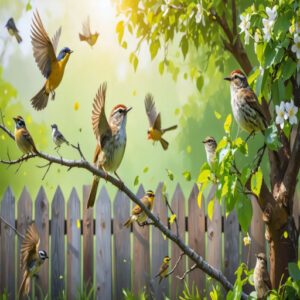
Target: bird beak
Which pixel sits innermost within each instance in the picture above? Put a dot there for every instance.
(71, 51)
(227, 78)
(15, 119)
(128, 109)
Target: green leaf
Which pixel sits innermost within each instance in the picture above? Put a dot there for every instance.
(256, 182)
(136, 180)
(146, 169)
(120, 30)
(170, 175)
(172, 218)
(184, 44)
(28, 6)
(210, 208)
(241, 145)
(244, 211)
(124, 45)
(187, 175)
(227, 123)
(217, 115)
(289, 69)
(161, 67)
(272, 138)
(294, 271)
(154, 46)
(200, 82)
(204, 176)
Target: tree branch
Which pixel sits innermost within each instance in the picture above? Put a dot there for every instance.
(83, 164)
(12, 227)
(193, 267)
(234, 24)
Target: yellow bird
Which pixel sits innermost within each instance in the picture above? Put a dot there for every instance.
(155, 132)
(22, 137)
(87, 36)
(163, 270)
(31, 258)
(138, 215)
(52, 67)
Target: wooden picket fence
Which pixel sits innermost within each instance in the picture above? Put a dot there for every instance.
(91, 248)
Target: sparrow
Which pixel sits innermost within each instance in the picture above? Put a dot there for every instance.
(87, 36)
(244, 103)
(51, 67)
(13, 30)
(261, 278)
(137, 213)
(58, 137)
(210, 146)
(163, 270)
(31, 258)
(155, 131)
(22, 137)
(111, 138)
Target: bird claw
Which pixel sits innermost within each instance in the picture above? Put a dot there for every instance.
(52, 95)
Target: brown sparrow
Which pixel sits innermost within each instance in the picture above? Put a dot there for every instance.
(245, 107)
(262, 282)
(210, 146)
(111, 138)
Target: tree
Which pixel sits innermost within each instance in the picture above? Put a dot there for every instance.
(273, 34)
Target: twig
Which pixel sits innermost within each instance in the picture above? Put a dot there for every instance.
(48, 165)
(172, 212)
(193, 267)
(12, 227)
(79, 150)
(175, 266)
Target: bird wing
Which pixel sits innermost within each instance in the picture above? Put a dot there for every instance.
(28, 137)
(43, 48)
(99, 120)
(61, 137)
(150, 109)
(86, 27)
(164, 267)
(157, 123)
(30, 246)
(137, 209)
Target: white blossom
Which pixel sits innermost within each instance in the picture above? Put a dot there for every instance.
(256, 37)
(291, 112)
(272, 13)
(296, 46)
(280, 113)
(267, 29)
(200, 14)
(165, 7)
(245, 26)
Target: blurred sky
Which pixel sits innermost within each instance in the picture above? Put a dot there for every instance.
(86, 69)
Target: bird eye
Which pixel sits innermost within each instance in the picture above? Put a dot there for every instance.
(120, 110)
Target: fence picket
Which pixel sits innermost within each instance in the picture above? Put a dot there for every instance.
(57, 257)
(73, 246)
(103, 247)
(122, 267)
(7, 268)
(159, 245)
(42, 224)
(178, 207)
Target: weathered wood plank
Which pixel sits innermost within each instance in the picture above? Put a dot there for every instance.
(178, 206)
(103, 247)
(214, 235)
(196, 233)
(24, 220)
(141, 250)
(159, 245)
(7, 268)
(42, 224)
(73, 246)
(122, 267)
(57, 257)
(231, 248)
(88, 239)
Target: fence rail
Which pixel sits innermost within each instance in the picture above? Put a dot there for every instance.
(92, 246)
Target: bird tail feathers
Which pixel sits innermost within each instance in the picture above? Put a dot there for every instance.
(82, 37)
(169, 128)
(18, 37)
(164, 143)
(40, 100)
(25, 286)
(93, 193)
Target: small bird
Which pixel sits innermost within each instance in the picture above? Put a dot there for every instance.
(163, 270)
(58, 137)
(31, 258)
(137, 213)
(22, 137)
(210, 146)
(52, 67)
(245, 107)
(261, 278)
(111, 138)
(155, 131)
(13, 30)
(87, 36)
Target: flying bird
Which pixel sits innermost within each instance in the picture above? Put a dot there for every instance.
(87, 36)
(58, 137)
(51, 67)
(13, 30)
(110, 136)
(137, 213)
(163, 270)
(31, 258)
(155, 132)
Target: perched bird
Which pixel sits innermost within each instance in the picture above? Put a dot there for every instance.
(163, 270)
(137, 213)
(52, 67)
(58, 137)
(111, 138)
(245, 107)
(13, 30)
(31, 258)
(87, 36)
(155, 131)
(210, 146)
(22, 137)
(261, 278)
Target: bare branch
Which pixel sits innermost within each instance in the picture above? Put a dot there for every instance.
(12, 227)
(193, 267)
(176, 264)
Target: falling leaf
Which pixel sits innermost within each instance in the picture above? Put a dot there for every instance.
(217, 115)
(177, 111)
(28, 6)
(80, 129)
(227, 123)
(136, 180)
(285, 234)
(76, 105)
(134, 93)
(170, 174)
(146, 169)
(189, 149)
(172, 218)
(187, 175)
(78, 223)
(247, 240)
